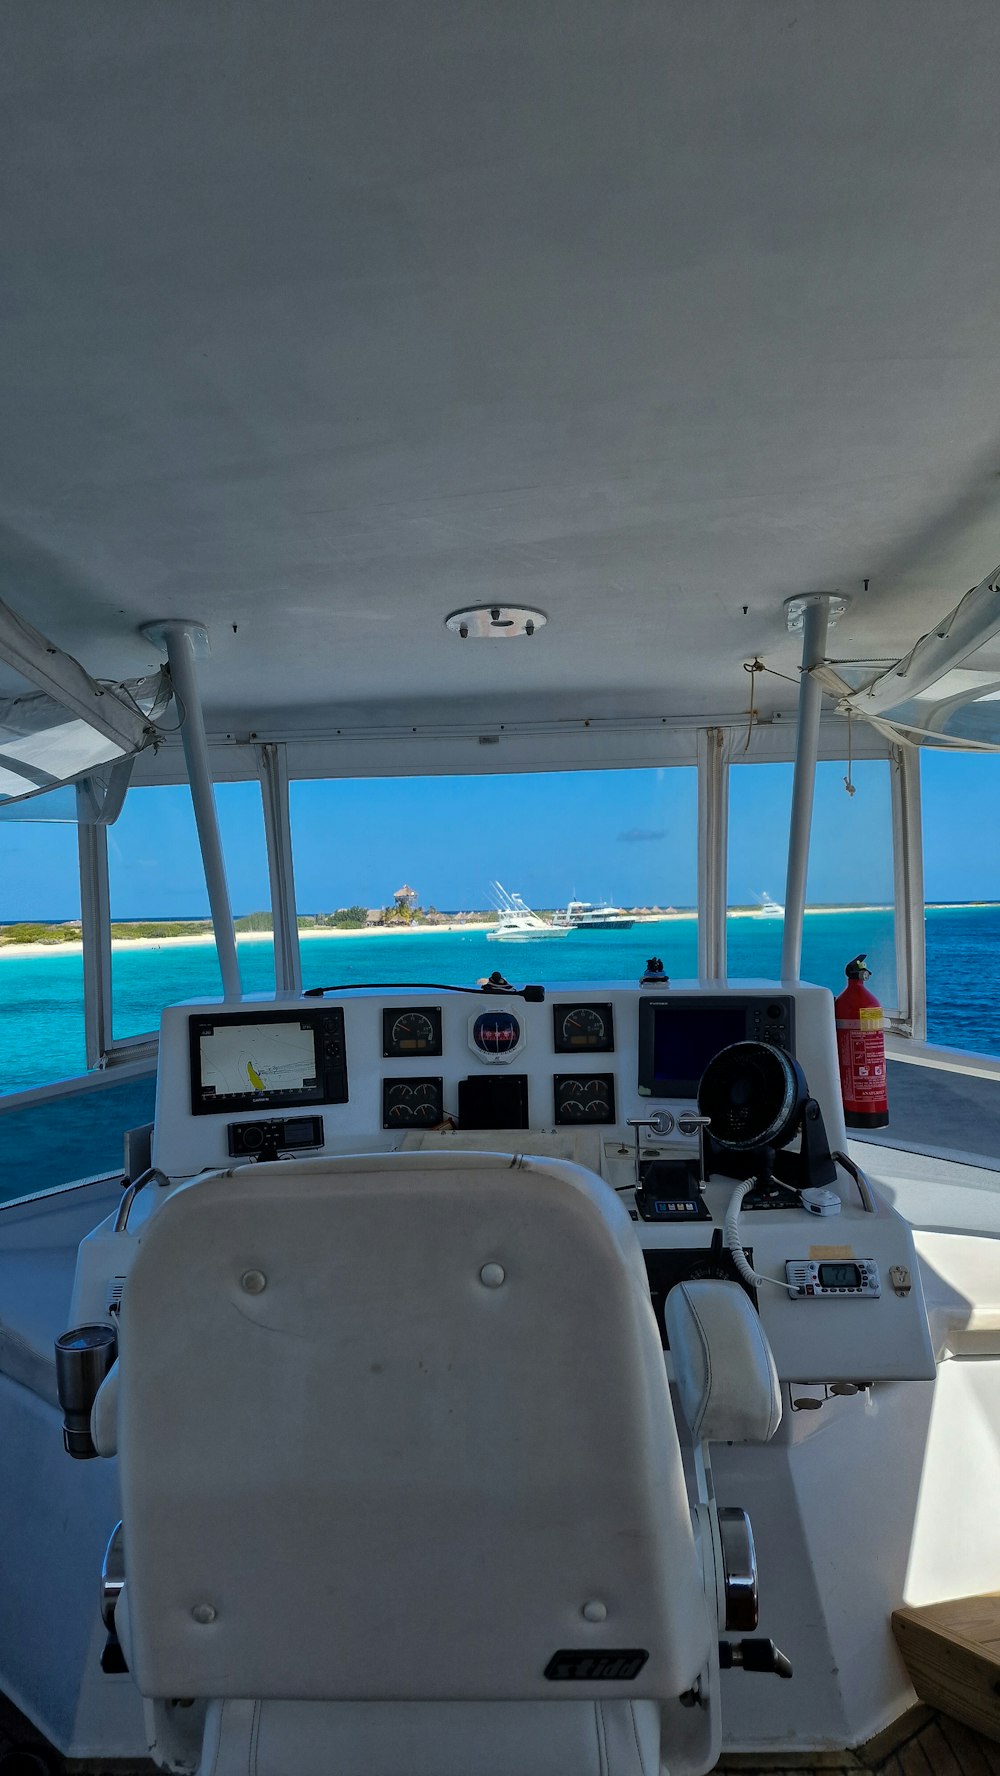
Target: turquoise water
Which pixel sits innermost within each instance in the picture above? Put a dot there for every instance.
(41, 1012)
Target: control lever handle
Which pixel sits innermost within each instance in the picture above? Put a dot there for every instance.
(690, 1123)
(662, 1122)
(754, 1655)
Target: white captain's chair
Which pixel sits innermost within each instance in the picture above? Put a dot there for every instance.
(401, 1486)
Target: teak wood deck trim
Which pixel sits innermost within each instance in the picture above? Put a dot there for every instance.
(952, 1653)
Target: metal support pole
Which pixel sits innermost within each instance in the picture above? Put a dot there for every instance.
(95, 921)
(713, 841)
(813, 613)
(272, 766)
(184, 642)
(908, 875)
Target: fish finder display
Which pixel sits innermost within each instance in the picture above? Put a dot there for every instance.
(680, 1035)
(246, 1062)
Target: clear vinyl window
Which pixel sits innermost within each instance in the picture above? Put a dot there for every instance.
(163, 949)
(41, 959)
(850, 888)
(395, 876)
(960, 793)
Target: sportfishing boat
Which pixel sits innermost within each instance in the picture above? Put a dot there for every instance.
(768, 908)
(530, 1377)
(582, 915)
(517, 923)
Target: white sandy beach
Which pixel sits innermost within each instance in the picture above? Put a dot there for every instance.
(32, 950)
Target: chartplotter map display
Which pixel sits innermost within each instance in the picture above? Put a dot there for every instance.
(240, 1058)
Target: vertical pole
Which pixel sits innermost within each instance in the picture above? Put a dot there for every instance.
(815, 614)
(272, 765)
(908, 878)
(713, 840)
(95, 921)
(183, 641)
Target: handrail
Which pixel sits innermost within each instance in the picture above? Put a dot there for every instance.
(80, 1082)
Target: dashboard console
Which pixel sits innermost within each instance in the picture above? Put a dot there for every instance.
(575, 1074)
(372, 1066)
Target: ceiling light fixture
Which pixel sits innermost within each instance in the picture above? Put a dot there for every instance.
(495, 622)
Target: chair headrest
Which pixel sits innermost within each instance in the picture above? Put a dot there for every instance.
(724, 1368)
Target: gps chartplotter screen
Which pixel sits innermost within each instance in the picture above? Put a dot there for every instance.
(244, 1062)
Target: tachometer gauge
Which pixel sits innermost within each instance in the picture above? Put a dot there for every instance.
(411, 1030)
(580, 1027)
(412, 1103)
(579, 1097)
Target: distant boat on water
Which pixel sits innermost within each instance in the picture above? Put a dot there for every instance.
(582, 915)
(769, 909)
(517, 923)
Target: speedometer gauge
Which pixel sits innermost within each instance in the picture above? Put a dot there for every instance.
(411, 1030)
(578, 1028)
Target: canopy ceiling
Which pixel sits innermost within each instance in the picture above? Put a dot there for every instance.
(318, 321)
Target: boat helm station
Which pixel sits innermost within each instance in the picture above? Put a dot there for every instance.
(693, 1132)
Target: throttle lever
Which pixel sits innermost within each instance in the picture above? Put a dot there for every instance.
(754, 1655)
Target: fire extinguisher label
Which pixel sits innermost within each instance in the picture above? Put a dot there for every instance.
(870, 1017)
(861, 1053)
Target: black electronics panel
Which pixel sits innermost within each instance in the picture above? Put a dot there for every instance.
(583, 1097)
(668, 1266)
(493, 1101)
(254, 1060)
(679, 1035)
(412, 1103)
(579, 1029)
(409, 1030)
(266, 1137)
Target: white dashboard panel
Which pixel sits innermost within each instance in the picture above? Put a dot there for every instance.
(184, 1143)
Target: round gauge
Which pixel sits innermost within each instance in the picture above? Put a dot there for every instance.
(583, 1027)
(496, 1033)
(579, 1099)
(412, 1103)
(577, 1027)
(411, 1030)
(571, 1104)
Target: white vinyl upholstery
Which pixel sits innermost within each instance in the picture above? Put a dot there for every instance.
(397, 1429)
(589, 1738)
(104, 1414)
(725, 1373)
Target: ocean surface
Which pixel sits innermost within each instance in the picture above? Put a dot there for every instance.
(41, 998)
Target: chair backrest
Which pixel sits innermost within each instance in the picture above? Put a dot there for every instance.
(398, 1426)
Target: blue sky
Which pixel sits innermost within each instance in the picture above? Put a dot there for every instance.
(629, 835)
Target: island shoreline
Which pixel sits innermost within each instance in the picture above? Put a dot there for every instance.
(448, 928)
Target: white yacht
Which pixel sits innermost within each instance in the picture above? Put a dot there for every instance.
(583, 915)
(517, 923)
(539, 1378)
(768, 908)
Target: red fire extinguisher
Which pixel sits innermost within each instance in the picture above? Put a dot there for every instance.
(861, 1051)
